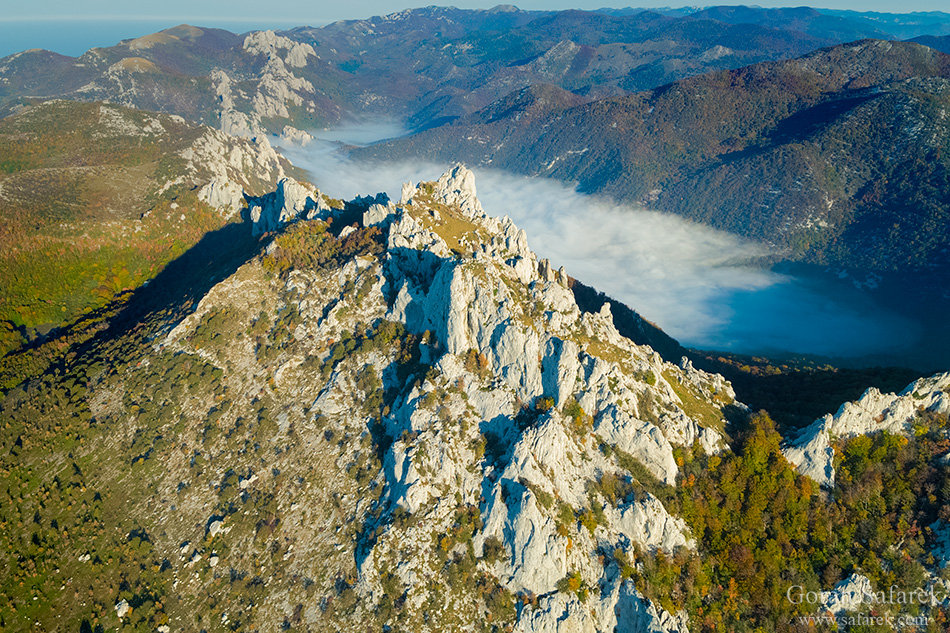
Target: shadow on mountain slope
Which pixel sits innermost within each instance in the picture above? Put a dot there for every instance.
(185, 280)
(143, 313)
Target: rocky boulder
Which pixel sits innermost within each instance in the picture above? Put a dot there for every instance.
(290, 201)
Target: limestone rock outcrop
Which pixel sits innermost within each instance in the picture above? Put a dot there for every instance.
(850, 594)
(516, 406)
(811, 451)
(229, 167)
(290, 201)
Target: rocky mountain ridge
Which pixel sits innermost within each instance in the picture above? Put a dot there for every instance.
(805, 19)
(395, 413)
(496, 423)
(811, 451)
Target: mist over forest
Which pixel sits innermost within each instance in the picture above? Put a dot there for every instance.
(236, 393)
(707, 288)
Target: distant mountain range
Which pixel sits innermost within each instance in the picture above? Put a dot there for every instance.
(804, 19)
(815, 21)
(899, 25)
(424, 66)
(840, 156)
(757, 121)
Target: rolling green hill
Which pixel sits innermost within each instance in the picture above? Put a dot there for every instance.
(97, 199)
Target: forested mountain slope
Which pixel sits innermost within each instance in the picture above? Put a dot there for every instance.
(395, 415)
(840, 156)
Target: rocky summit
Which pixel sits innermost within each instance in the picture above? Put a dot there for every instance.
(812, 452)
(510, 405)
(402, 418)
(394, 415)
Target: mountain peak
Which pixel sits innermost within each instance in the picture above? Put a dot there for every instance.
(185, 32)
(508, 398)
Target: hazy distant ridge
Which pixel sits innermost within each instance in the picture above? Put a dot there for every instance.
(786, 152)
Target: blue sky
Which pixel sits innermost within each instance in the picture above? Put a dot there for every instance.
(321, 11)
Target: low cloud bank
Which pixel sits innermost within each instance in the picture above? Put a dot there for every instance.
(698, 284)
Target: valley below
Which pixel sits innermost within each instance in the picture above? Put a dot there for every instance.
(708, 289)
(501, 321)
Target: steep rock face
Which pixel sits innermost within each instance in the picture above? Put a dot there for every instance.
(641, 439)
(457, 187)
(645, 521)
(230, 119)
(270, 44)
(278, 85)
(471, 307)
(811, 450)
(623, 611)
(634, 615)
(291, 201)
(231, 167)
(526, 403)
(295, 136)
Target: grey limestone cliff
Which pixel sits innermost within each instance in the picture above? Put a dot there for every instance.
(528, 402)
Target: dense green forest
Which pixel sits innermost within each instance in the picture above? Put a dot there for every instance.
(763, 528)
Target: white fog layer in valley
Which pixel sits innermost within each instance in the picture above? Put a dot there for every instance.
(698, 284)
